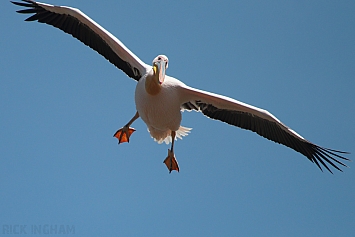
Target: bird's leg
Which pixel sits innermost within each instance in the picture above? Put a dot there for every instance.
(124, 133)
(170, 161)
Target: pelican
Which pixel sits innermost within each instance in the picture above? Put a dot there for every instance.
(160, 99)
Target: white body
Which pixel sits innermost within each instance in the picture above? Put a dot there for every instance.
(161, 112)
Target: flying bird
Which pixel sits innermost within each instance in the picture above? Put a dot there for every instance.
(160, 99)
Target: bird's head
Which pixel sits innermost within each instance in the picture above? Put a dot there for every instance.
(160, 64)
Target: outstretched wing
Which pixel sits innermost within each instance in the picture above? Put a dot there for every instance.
(260, 121)
(80, 26)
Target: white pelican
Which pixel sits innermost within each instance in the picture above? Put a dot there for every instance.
(160, 98)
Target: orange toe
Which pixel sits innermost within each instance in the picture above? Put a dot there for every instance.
(123, 134)
(171, 162)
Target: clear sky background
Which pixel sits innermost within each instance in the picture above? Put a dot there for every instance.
(61, 103)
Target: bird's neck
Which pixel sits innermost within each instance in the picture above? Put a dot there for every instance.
(152, 85)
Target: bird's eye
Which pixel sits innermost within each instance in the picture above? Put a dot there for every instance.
(159, 58)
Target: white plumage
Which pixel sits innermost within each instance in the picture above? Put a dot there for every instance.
(161, 115)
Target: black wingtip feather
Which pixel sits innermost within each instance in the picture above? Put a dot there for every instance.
(21, 4)
(32, 18)
(27, 11)
(316, 162)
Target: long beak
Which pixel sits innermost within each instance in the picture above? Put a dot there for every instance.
(160, 70)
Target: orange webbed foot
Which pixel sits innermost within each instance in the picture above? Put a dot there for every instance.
(171, 162)
(123, 134)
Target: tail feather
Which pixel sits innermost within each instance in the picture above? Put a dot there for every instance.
(166, 136)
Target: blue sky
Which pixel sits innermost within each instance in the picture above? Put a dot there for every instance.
(61, 102)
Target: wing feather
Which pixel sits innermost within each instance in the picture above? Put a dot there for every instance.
(260, 121)
(80, 26)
